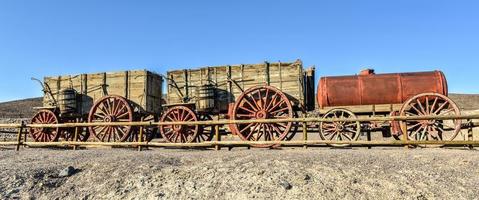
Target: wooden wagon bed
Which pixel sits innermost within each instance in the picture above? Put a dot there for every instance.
(232, 80)
(142, 88)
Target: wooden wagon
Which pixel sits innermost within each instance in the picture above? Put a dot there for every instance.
(278, 90)
(239, 92)
(101, 97)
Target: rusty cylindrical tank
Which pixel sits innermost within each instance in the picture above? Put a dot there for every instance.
(369, 88)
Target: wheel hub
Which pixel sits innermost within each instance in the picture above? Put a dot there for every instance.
(339, 127)
(262, 114)
(428, 122)
(110, 119)
(178, 128)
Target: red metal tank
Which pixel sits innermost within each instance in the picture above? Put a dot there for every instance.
(369, 88)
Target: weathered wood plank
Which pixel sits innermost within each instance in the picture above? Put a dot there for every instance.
(142, 88)
(289, 80)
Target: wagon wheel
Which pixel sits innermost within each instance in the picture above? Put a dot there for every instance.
(149, 132)
(206, 132)
(262, 102)
(179, 133)
(45, 134)
(431, 104)
(339, 130)
(68, 134)
(111, 109)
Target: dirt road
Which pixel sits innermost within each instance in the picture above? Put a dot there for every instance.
(317, 173)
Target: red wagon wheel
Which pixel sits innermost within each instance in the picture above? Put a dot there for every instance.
(262, 102)
(340, 130)
(179, 133)
(45, 134)
(111, 109)
(68, 134)
(430, 104)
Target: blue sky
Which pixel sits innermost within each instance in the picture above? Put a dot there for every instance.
(41, 38)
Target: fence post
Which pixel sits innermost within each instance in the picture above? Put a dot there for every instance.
(140, 139)
(405, 138)
(75, 137)
(19, 137)
(25, 138)
(305, 135)
(218, 137)
(470, 133)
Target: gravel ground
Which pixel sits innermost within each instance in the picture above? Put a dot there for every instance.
(315, 173)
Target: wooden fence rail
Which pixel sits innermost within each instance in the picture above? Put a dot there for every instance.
(223, 122)
(218, 143)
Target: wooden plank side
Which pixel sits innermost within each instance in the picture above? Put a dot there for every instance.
(175, 86)
(155, 93)
(285, 76)
(129, 84)
(56, 84)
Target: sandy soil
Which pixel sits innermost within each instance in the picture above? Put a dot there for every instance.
(316, 173)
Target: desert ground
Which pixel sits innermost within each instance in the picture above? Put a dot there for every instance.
(240, 173)
(318, 173)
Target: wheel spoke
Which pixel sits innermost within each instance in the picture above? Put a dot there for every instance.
(272, 102)
(440, 108)
(250, 111)
(250, 100)
(260, 100)
(418, 111)
(414, 126)
(266, 101)
(125, 114)
(252, 131)
(278, 132)
(42, 117)
(423, 134)
(114, 106)
(248, 126)
(107, 106)
(433, 105)
(421, 107)
(347, 136)
(334, 134)
(280, 110)
(416, 132)
(276, 105)
(259, 132)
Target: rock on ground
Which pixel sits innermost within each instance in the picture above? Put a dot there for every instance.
(315, 173)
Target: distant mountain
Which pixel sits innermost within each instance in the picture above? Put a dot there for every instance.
(466, 101)
(19, 108)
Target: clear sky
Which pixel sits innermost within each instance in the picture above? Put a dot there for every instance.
(41, 38)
